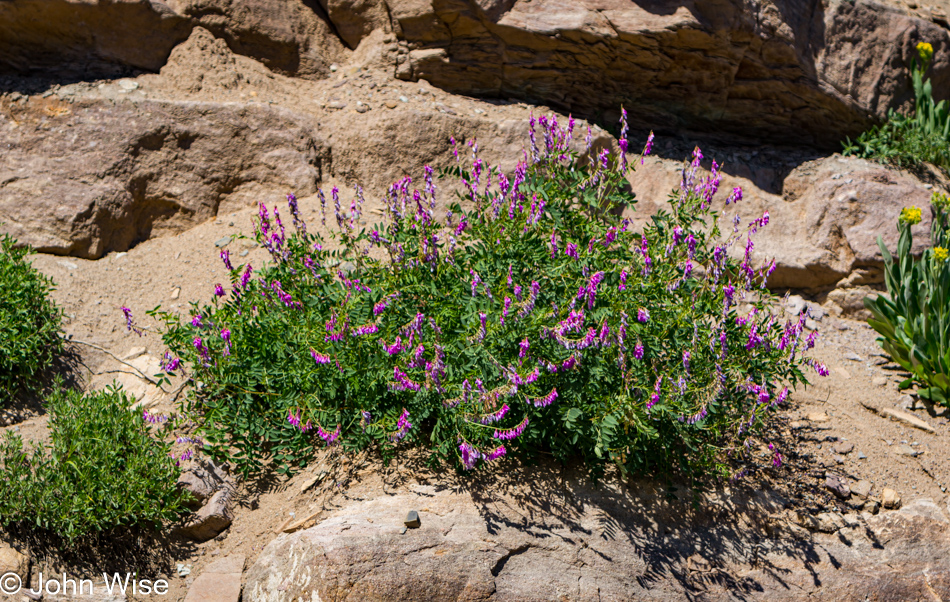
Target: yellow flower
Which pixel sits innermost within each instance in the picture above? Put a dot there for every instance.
(940, 254)
(926, 51)
(910, 215)
(940, 200)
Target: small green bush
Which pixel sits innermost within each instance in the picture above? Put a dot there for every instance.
(914, 319)
(101, 470)
(30, 323)
(533, 320)
(907, 141)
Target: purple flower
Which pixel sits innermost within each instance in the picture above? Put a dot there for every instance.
(541, 402)
(129, 323)
(170, 364)
(494, 416)
(495, 453)
(648, 148)
(319, 357)
(523, 348)
(643, 315)
(153, 418)
(512, 433)
(686, 356)
(329, 438)
(736, 195)
(226, 258)
(365, 329)
(469, 455)
(623, 280)
(226, 335)
(196, 321)
(218, 290)
(403, 426)
(569, 363)
(638, 351)
(655, 398)
(483, 330)
(571, 250)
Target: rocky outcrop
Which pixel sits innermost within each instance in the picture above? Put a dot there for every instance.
(89, 177)
(824, 225)
(601, 545)
(807, 72)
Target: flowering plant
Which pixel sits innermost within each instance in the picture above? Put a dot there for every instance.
(914, 319)
(531, 319)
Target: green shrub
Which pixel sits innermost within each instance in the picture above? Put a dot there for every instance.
(907, 141)
(101, 470)
(534, 321)
(30, 322)
(914, 319)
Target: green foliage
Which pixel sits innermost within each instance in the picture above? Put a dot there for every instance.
(914, 319)
(907, 141)
(101, 470)
(530, 320)
(30, 322)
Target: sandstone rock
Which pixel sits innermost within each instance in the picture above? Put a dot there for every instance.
(212, 519)
(844, 447)
(103, 176)
(89, 38)
(838, 485)
(288, 36)
(822, 230)
(203, 480)
(890, 499)
(772, 69)
(861, 489)
(496, 548)
(145, 393)
(219, 582)
(817, 417)
(12, 561)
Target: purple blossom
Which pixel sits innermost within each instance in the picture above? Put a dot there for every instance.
(495, 453)
(218, 290)
(655, 398)
(153, 418)
(523, 348)
(736, 196)
(487, 419)
(542, 402)
(329, 438)
(638, 351)
(370, 328)
(319, 358)
(648, 148)
(129, 323)
(571, 250)
(512, 433)
(643, 315)
(403, 426)
(469, 455)
(623, 280)
(226, 335)
(169, 363)
(226, 258)
(395, 348)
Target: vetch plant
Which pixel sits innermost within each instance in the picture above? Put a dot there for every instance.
(914, 318)
(530, 320)
(30, 322)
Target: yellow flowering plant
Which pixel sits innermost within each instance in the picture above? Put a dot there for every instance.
(913, 319)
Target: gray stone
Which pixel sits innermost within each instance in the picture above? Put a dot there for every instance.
(212, 519)
(412, 520)
(906, 450)
(838, 485)
(861, 489)
(222, 242)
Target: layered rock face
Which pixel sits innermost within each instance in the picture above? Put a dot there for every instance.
(84, 178)
(801, 71)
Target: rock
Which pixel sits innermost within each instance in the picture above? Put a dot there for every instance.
(176, 292)
(854, 357)
(211, 520)
(907, 402)
(879, 381)
(838, 459)
(723, 53)
(203, 480)
(906, 450)
(817, 417)
(222, 242)
(362, 107)
(907, 419)
(861, 456)
(795, 305)
(861, 489)
(872, 507)
(219, 582)
(412, 520)
(109, 175)
(391, 104)
(844, 447)
(828, 522)
(838, 485)
(12, 561)
(890, 499)
(145, 392)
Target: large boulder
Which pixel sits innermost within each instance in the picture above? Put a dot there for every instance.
(94, 176)
(613, 543)
(824, 224)
(807, 72)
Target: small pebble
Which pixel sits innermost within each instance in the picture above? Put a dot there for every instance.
(854, 357)
(861, 456)
(403, 99)
(412, 520)
(222, 242)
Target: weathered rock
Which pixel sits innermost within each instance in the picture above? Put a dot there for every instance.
(212, 519)
(838, 485)
(219, 582)
(774, 67)
(890, 499)
(12, 561)
(86, 178)
(844, 447)
(291, 36)
(89, 38)
(472, 548)
(861, 489)
(203, 480)
(823, 229)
